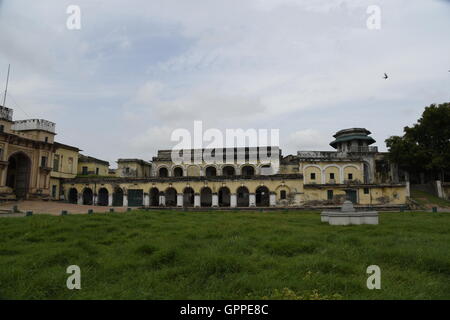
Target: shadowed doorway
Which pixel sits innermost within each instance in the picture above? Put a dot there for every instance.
(18, 175)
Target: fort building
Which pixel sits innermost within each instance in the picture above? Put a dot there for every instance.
(33, 165)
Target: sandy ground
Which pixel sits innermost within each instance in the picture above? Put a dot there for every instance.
(53, 208)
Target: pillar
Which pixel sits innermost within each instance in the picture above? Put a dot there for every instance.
(94, 199)
(162, 200)
(408, 189)
(110, 200)
(233, 200)
(273, 199)
(197, 200)
(252, 200)
(80, 198)
(146, 200)
(215, 200)
(179, 200)
(125, 200)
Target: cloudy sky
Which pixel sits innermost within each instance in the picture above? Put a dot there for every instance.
(137, 70)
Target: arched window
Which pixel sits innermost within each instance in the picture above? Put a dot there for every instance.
(248, 171)
(178, 172)
(243, 199)
(262, 197)
(228, 171)
(163, 172)
(211, 172)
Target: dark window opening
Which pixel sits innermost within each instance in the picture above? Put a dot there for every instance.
(313, 176)
(283, 194)
(44, 162)
(330, 194)
(332, 176)
(366, 190)
(350, 176)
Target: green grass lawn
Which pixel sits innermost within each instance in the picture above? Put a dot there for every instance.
(224, 255)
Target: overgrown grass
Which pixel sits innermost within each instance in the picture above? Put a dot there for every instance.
(428, 199)
(223, 255)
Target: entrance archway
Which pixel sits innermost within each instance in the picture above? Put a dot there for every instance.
(103, 197)
(154, 197)
(73, 196)
(188, 197)
(171, 197)
(224, 197)
(118, 197)
(262, 197)
(206, 197)
(18, 174)
(88, 196)
(243, 198)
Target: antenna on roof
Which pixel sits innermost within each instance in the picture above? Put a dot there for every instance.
(6, 88)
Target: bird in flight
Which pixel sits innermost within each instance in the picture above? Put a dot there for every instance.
(385, 76)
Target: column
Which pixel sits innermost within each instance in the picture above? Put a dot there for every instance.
(94, 200)
(233, 200)
(197, 200)
(110, 200)
(252, 200)
(125, 200)
(273, 199)
(80, 198)
(146, 200)
(179, 200)
(162, 200)
(215, 200)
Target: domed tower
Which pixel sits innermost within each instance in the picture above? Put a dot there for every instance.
(353, 140)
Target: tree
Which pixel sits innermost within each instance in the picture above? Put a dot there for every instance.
(424, 147)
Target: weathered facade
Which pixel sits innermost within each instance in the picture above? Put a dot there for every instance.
(26, 152)
(33, 165)
(310, 178)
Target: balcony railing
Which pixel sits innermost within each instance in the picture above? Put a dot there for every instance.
(360, 149)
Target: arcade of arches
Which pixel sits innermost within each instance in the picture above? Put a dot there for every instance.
(181, 195)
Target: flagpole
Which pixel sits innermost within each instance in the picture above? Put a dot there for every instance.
(6, 89)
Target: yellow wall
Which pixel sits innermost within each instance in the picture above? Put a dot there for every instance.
(68, 163)
(92, 166)
(393, 195)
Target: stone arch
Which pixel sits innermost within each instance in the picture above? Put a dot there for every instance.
(118, 197)
(188, 197)
(171, 197)
(337, 172)
(103, 197)
(73, 195)
(206, 197)
(224, 197)
(177, 171)
(243, 196)
(346, 172)
(210, 171)
(308, 170)
(248, 170)
(262, 195)
(18, 174)
(193, 171)
(228, 170)
(88, 196)
(163, 172)
(279, 192)
(154, 197)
